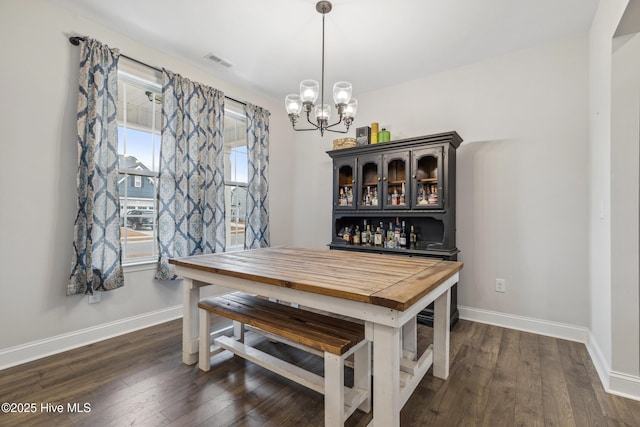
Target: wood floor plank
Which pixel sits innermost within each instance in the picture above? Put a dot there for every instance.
(529, 410)
(584, 403)
(501, 393)
(498, 377)
(555, 394)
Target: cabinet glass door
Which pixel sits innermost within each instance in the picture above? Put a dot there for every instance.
(428, 184)
(343, 187)
(396, 180)
(369, 178)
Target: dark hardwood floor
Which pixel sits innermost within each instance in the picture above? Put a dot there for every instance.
(499, 377)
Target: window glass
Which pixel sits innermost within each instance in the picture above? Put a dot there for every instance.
(139, 124)
(235, 174)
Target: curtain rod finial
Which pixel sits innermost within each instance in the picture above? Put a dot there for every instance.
(75, 40)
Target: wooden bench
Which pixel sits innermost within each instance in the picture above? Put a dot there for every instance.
(335, 339)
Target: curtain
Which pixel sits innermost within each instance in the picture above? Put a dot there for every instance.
(257, 220)
(97, 263)
(191, 182)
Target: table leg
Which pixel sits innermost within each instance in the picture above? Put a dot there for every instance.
(386, 376)
(410, 339)
(441, 332)
(190, 298)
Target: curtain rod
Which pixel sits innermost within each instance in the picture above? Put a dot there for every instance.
(75, 40)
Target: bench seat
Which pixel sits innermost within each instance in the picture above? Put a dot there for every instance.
(335, 338)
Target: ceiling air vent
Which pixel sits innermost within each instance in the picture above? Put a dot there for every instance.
(218, 60)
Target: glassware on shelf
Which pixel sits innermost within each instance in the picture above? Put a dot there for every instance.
(433, 195)
(342, 197)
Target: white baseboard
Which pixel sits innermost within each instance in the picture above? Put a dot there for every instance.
(624, 385)
(20, 354)
(526, 324)
(617, 383)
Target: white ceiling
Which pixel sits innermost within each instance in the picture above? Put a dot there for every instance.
(275, 44)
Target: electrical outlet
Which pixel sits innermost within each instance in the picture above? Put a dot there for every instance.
(96, 297)
(501, 285)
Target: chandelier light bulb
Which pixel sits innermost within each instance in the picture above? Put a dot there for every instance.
(309, 90)
(342, 92)
(351, 108)
(293, 104)
(323, 112)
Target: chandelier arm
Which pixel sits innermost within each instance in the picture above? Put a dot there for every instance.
(337, 131)
(311, 123)
(300, 130)
(335, 124)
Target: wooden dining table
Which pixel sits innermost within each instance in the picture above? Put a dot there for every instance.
(384, 291)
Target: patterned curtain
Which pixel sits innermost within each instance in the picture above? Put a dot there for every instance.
(191, 186)
(96, 248)
(257, 221)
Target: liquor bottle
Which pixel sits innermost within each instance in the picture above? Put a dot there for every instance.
(402, 196)
(413, 238)
(342, 199)
(403, 237)
(369, 236)
(356, 236)
(374, 198)
(363, 236)
(396, 234)
(377, 238)
(367, 197)
(394, 197)
(347, 235)
(349, 197)
(389, 241)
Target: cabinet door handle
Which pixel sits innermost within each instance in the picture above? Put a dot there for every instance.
(414, 177)
(384, 179)
(378, 179)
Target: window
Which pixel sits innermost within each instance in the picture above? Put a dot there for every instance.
(139, 125)
(235, 173)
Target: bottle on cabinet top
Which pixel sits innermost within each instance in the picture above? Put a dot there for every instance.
(384, 135)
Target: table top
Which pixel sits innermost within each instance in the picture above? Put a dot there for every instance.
(391, 281)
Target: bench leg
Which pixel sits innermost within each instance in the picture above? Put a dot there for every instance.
(333, 390)
(204, 346)
(238, 331)
(362, 374)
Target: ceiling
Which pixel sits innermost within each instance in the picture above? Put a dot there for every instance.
(273, 45)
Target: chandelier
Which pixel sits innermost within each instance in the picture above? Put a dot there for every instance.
(309, 91)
